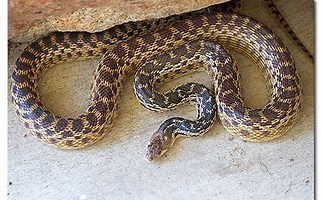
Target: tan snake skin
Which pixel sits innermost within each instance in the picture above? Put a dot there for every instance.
(232, 30)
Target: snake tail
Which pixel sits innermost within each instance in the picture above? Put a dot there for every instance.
(279, 17)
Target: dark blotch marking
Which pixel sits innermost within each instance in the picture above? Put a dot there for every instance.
(85, 140)
(288, 70)
(225, 123)
(73, 37)
(182, 27)
(103, 50)
(36, 47)
(119, 50)
(26, 125)
(61, 124)
(22, 66)
(101, 107)
(92, 119)
(38, 135)
(122, 28)
(248, 123)
(69, 55)
(174, 97)
(77, 137)
(69, 143)
(148, 40)
(22, 92)
(288, 82)
(50, 132)
(105, 91)
(254, 115)
(90, 53)
(77, 125)
(59, 57)
(281, 106)
(234, 123)
(35, 114)
(107, 76)
(47, 120)
(240, 109)
(53, 140)
(244, 132)
(47, 42)
(284, 56)
(59, 37)
(289, 94)
(265, 133)
(160, 42)
(79, 54)
(36, 126)
(99, 36)
(112, 33)
(111, 63)
(26, 105)
(269, 114)
(29, 55)
(66, 134)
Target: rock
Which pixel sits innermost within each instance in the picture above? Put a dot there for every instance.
(31, 19)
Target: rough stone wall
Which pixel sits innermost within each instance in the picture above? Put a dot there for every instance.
(30, 19)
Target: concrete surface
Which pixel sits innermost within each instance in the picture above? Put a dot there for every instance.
(216, 166)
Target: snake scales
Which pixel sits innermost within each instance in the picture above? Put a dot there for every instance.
(126, 47)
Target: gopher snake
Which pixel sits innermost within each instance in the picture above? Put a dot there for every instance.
(229, 29)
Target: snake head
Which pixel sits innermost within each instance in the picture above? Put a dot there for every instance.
(158, 145)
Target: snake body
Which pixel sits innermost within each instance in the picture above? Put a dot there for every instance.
(183, 59)
(232, 30)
